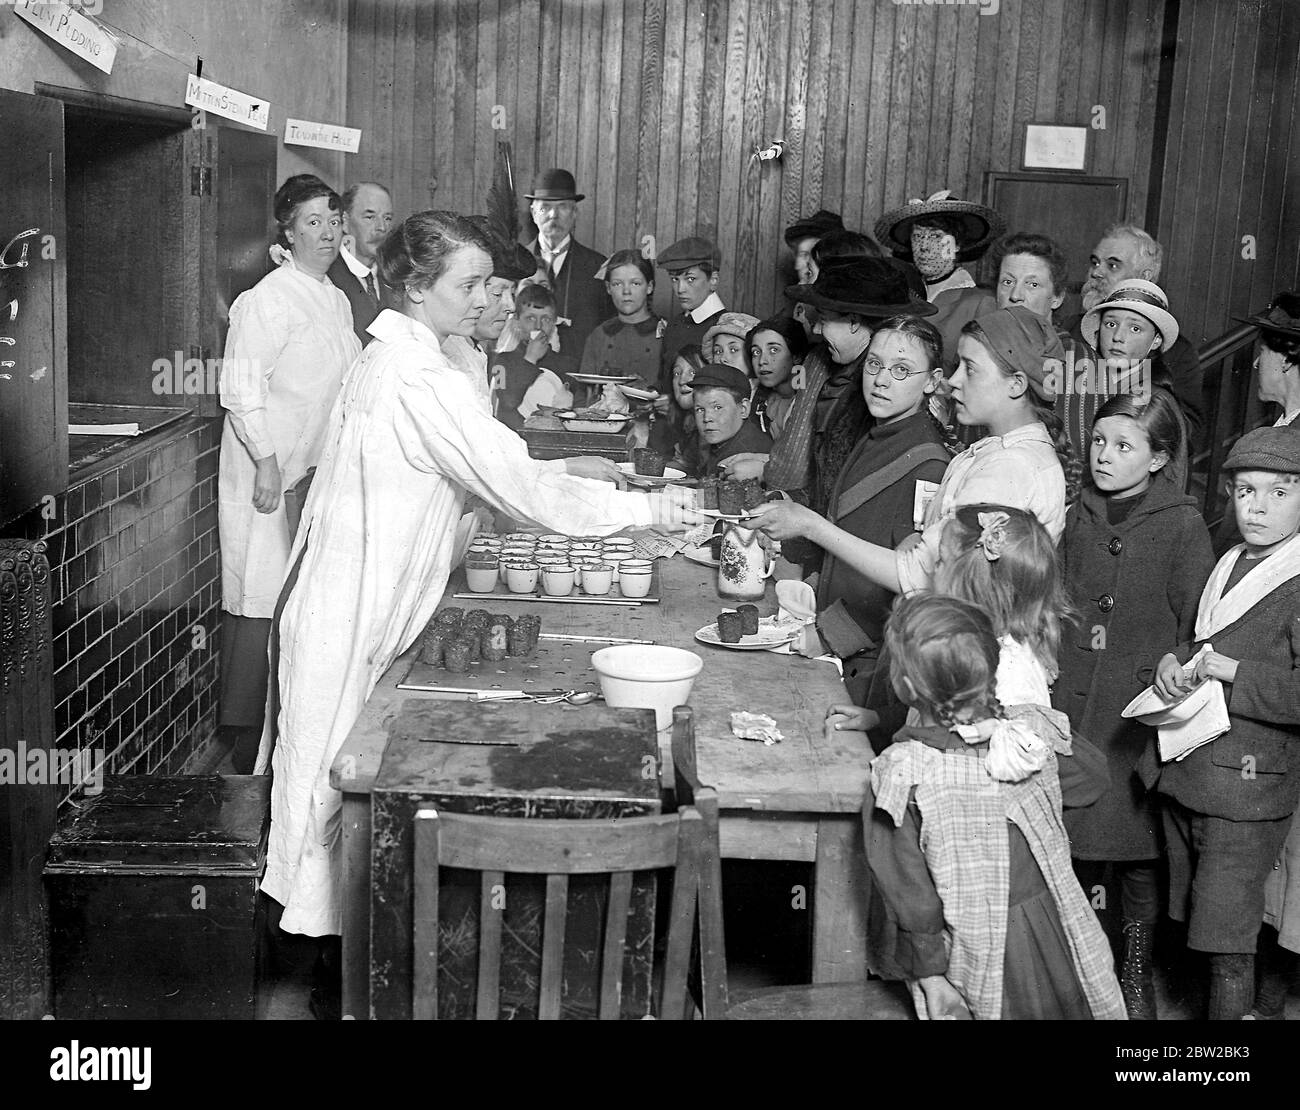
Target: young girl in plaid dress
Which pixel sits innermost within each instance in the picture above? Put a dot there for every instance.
(984, 916)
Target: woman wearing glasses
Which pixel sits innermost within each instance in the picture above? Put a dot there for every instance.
(879, 492)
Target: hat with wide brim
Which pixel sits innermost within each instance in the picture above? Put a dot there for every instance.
(1145, 298)
(867, 286)
(981, 224)
(1282, 317)
(554, 184)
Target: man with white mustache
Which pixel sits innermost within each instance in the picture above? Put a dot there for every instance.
(1126, 251)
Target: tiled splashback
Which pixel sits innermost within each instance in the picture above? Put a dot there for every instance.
(136, 583)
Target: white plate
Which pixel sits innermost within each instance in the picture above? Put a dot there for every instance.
(770, 635)
(601, 379)
(701, 555)
(590, 424)
(669, 475)
(637, 394)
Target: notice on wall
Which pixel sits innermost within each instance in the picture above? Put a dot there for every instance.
(327, 136)
(229, 103)
(71, 30)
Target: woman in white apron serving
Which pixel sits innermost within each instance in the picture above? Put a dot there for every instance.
(407, 441)
(290, 342)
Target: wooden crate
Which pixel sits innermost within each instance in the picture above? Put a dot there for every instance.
(154, 907)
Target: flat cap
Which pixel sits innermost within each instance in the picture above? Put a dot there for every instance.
(1276, 449)
(716, 375)
(688, 252)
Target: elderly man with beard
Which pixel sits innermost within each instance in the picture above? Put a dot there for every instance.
(1126, 251)
(581, 301)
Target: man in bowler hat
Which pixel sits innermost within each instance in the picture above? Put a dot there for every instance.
(580, 299)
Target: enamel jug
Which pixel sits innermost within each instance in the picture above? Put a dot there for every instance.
(743, 564)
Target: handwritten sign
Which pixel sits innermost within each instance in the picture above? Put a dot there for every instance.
(71, 30)
(230, 103)
(327, 136)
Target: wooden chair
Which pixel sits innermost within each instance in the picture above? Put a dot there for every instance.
(864, 1001)
(556, 849)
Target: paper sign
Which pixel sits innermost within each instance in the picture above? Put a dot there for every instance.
(71, 30)
(230, 103)
(327, 136)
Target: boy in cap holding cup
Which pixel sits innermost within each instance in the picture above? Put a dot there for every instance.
(1228, 803)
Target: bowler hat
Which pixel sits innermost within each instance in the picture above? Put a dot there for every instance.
(860, 284)
(554, 184)
(1276, 449)
(688, 252)
(1282, 317)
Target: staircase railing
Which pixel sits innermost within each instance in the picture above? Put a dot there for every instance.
(1231, 409)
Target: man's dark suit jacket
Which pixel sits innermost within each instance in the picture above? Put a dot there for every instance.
(579, 297)
(364, 309)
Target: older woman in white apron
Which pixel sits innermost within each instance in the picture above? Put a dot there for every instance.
(407, 442)
(290, 341)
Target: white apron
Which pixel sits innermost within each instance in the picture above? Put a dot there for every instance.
(407, 439)
(290, 343)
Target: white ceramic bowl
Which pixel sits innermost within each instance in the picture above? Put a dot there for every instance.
(647, 676)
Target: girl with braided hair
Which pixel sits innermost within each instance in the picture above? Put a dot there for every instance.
(983, 915)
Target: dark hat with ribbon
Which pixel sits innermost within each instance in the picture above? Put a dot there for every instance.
(688, 252)
(814, 227)
(1282, 317)
(1276, 449)
(511, 261)
(863, 285)
(554, 184)
(979, 224)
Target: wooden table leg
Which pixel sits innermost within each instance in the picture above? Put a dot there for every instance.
(356, 906)
(840, 901)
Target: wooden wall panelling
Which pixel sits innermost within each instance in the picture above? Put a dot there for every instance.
(746, 258)
(443, 124)
(845, 50)
(814, 155)
(696, 61)
(568, 64)
(490, 84)
(942, 83)
(421, 94)
(922, 150)
(866, 130)
(794, 130)
(381, 160)
(963, 99)
(647, 184)
(1278, 216)
(668, 208)
(1254, 190)
(460, 172)
(771, 215)
(629, 135)
(733, 143)
(605, 183)
(407, 127)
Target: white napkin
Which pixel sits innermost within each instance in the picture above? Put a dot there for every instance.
(797, 601)
(1200, 717)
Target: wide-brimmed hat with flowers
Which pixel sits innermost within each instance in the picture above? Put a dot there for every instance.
(980, 224)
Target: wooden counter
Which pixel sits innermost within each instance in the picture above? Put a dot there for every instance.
(796, 800)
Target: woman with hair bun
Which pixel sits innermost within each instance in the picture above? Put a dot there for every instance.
(290, 342)
(407, 441)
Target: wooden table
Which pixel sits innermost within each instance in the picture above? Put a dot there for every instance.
(797, 800)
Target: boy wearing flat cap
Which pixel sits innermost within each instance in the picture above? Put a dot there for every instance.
(692, 264)
(1228, 803)
(721, 397)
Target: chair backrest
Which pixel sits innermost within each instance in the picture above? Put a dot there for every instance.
(557, 849)
(690, 791)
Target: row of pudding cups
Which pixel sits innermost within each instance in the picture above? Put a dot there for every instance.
(558, 563)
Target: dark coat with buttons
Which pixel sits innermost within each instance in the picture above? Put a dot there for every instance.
(1136, 586)
(1252, 771)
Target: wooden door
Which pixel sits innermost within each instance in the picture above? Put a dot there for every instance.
(33, 304)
